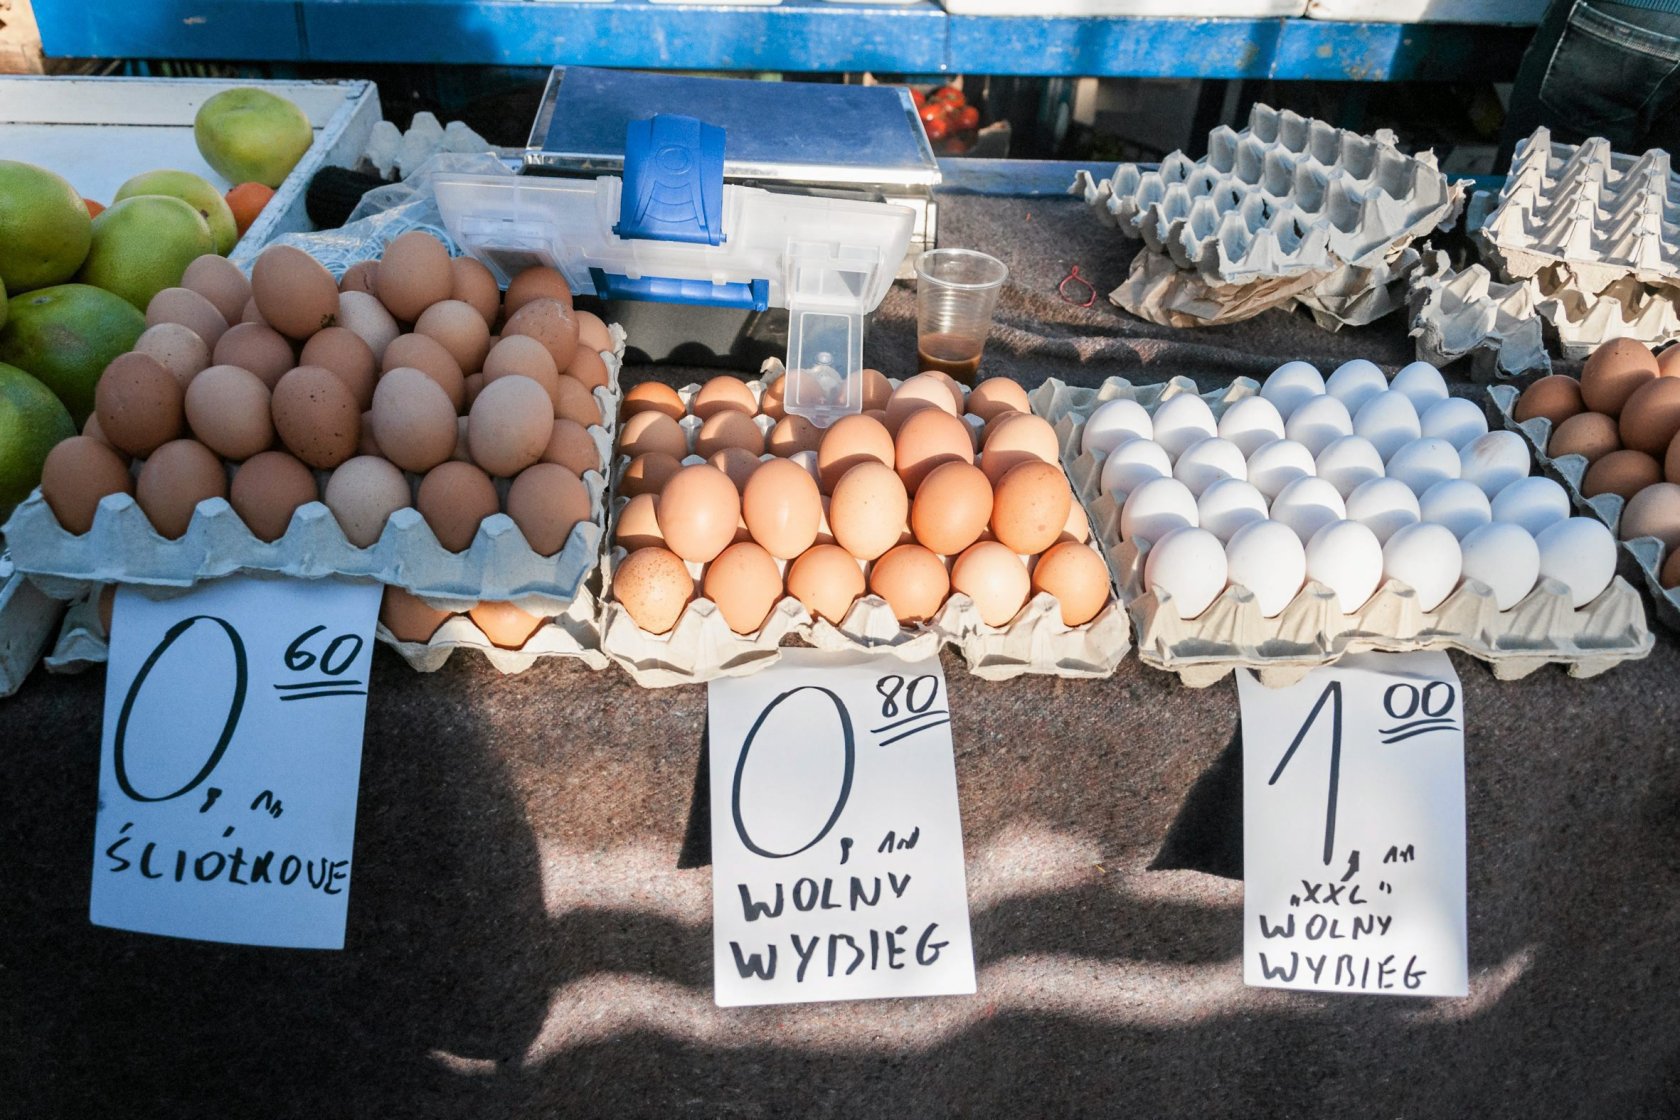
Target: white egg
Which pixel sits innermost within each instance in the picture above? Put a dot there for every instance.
(1181, 421)
(1228, 505)
(1349, 463)
(1132, 464)
(1155, 509)
(1346, 557)
(1307, 505)
(1113, 423)
(1580, 553)
(1318, 423)
(1494, 461)
(1455, 420)
(1207, 461)
(1535, 503)
(1389, 421)
(1270, 561)
(1277, 464)
(1384, 506)
(1503, 557)
(1423, 384)
(1251, 423)
(1423, 462)
(1458, 505)
(1425, 558)
(1290, 384)
(1188, 566)
(1356, 382)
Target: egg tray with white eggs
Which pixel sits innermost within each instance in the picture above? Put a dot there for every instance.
(312, 436)
(1277, 528)
(935, 538)
(1611, 438)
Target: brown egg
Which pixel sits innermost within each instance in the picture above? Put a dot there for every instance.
(550, 322)
(782, 508)
(77, 473)
(912, 580)
(638, 524)
(868, 510)
(922, 391)
(1671, 460)
(742, 533)
(363, 276)
(414, 422)
(455, 498)
(1670, 575)
(250, 314)
(176, 477)
(652, 396)
(428, 355)
(1613, 372)
(1621, 472)
(1078, 527)
(728, 428)
(825, 531)
(827, 580)
(654, 586)
(316, 417)
(537, 282)
(179, 350)
(1016, 438)
(593, 333)
(1030, 506)
(256, 347)
(588, 368)
(736, 462)
(877, 391)
(648, 472)
(520, 355)
(413, 274)
(953, 506)
(296, 296)
(459, 329)
(509, 425)
(344, 353)
(849, 441)
(1592, 435)
(505, 624)
(471, 283)
(699, 511)
(219, 280)
(774, 401)
(92, 431)
(570, 446)
(463, 449)
(1556, 398)
(267, 490)
(994, 578)
(926, 439)
(363, 493)
(1077, 577)
(408, 618)
(574, 402)
(546, 501)
(793, 434)
(745, 584)
(228, 409)
(190, 310)
(1651, 417)
(1653, 512)
(472, 386)
(365, 315)
(720, 393)
(368, 443)
(995, 396)
(139, 404)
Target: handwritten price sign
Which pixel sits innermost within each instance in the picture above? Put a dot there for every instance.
(1353, 828)
(837, 862)
(231, 757)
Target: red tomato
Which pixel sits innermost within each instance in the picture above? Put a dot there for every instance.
(931, 112)
(917, 98)
(968, 119)
(936, 125)
(947, 94)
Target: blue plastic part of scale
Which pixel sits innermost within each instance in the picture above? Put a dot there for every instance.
(673, 181)
(666, 289)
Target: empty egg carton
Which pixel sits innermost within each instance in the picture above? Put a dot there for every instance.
(27, 618)
(1583, 320)
(1454, 314)
(1312, 631)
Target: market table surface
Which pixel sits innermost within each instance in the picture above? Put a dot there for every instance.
(530, 918)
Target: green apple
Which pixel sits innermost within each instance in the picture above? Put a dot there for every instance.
(252, 136)
(195, 192)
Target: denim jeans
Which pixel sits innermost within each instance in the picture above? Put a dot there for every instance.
(1598, 68)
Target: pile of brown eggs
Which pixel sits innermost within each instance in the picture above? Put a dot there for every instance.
(926, 492)
(1623, 417)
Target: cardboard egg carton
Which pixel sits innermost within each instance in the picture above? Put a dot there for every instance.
(1584, 320)
(1643, 555)
(1312, 630)
(1454, 314)
(27, 619)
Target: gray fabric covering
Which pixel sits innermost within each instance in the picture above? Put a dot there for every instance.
(529, 927)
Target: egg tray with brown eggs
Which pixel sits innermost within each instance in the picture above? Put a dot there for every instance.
(315, 493)
(1311, 628)
(1612, 438)
(720, 474)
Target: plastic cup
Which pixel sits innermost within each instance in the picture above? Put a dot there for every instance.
(956, 292)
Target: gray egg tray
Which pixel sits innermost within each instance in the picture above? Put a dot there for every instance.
(1454, 314)
(1585, 320)
(27, 619)
(1312, 631)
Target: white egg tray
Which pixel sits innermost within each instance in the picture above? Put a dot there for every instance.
(1644, 553)
(1454, 314)
(1585, 320)
(1312, 631)
(27, 619)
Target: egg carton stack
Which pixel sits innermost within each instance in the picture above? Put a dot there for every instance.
(96, 520)
(1454, 314)
(1290, 210)
(1278, 529)
(701, 644)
